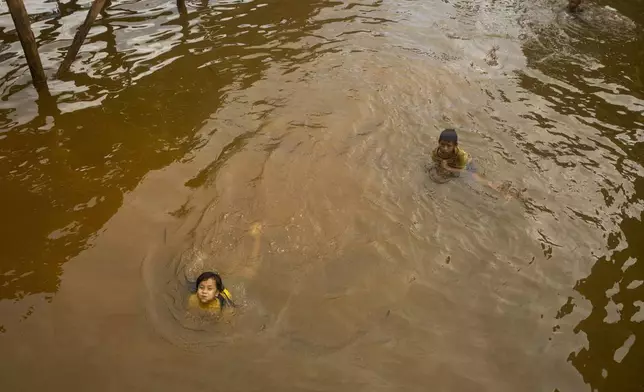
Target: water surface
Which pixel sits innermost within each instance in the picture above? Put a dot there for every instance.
(283, 143)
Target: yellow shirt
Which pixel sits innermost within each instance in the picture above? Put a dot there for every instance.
(459, 160)
(214, 305)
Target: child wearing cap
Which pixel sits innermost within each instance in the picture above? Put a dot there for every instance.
(450, 160)
(449, 157)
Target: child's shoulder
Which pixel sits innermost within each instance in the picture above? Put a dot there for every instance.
(194, 303)
(463, 156)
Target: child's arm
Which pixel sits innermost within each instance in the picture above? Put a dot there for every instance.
(474, 175)
(492, 185)
(445, 166)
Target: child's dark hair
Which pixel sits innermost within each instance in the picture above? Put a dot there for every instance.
(219, 284)
(223, 298)
(448, 135)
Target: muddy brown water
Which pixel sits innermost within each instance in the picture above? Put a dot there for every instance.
(284, 144)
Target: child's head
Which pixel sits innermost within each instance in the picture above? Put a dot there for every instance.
(209, 284)
(447, 141)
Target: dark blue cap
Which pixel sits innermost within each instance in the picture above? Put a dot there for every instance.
(448, 135)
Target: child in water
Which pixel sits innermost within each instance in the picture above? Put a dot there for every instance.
(449, 157)
(211, 294)
(450, 160)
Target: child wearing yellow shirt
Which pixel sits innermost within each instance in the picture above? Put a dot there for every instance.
(448, 156)
(450, 160)
(211, 294)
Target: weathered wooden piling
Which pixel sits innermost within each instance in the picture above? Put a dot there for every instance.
(573, 5)
(28, 42)
(181, 5)
(23, 27)
(47, 105)
(81, 34)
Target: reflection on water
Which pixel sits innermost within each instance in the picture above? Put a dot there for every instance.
(614, 328)
(67, 172)
(179, 132)
(591, 63)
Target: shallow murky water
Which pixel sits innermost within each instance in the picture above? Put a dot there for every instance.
(284, 144)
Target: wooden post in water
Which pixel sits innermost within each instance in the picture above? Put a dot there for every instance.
(181, 5)
(47, 105)
(79, 38)
(28, 42)
(573, 5)
(108, 3)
